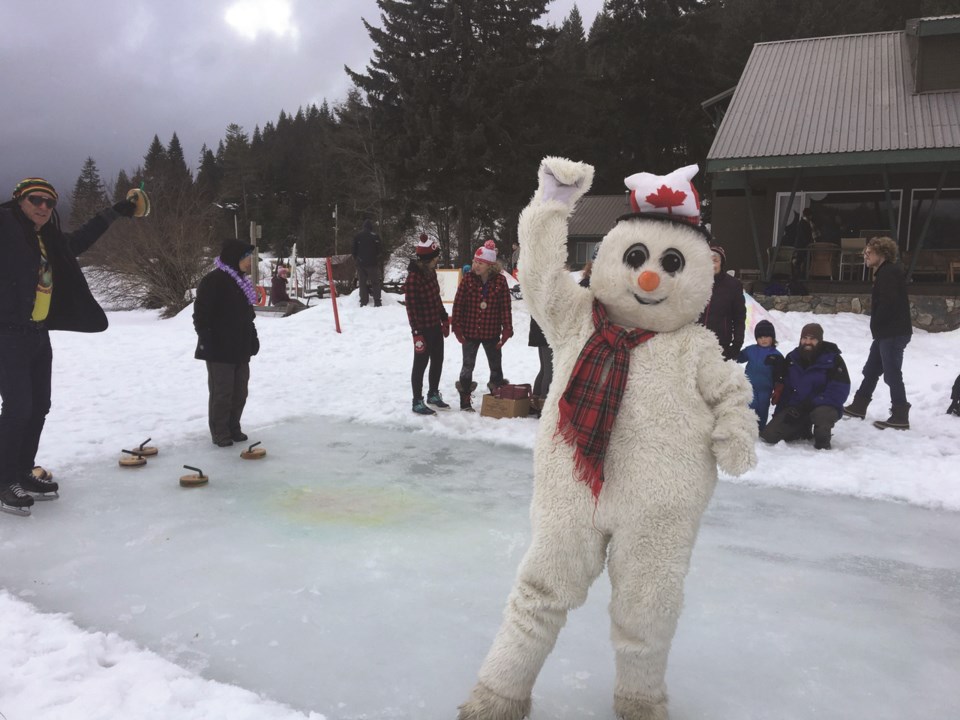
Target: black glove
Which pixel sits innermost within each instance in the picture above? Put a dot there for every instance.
(125, 208)
(255, 346)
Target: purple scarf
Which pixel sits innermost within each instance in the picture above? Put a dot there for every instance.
(242, 281)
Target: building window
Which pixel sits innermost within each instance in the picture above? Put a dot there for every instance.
(835, 215)
(583, 252)
(943, 232)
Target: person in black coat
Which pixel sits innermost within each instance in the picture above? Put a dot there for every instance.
(954, 408)
(227, 338)
(41, 289)
(726, 313)
(366, 253)
(541, 385)
(891, 327)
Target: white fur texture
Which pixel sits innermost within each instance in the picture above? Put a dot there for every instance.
(683, 412)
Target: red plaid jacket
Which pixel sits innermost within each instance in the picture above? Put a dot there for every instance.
(473, 322)
(422, 297)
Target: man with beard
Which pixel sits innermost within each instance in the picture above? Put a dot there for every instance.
(814, 386)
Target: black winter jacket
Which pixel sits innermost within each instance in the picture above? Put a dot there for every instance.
(223, 319)
(72, 306)
(890, 305)
(366, 248)
(726, 314)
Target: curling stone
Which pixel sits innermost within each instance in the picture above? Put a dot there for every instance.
(146, 450)
(253, 452)
(134, 459)
(193, 480)
(41, 473)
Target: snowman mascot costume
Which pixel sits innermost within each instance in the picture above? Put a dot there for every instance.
(642, 412)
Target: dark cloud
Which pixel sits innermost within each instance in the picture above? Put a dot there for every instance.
(100, 78)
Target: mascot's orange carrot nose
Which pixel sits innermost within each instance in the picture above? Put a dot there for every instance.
(648, 281)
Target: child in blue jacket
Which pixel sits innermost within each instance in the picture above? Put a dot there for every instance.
(764, 367)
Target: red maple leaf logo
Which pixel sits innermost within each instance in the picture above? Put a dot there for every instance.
(666, 198)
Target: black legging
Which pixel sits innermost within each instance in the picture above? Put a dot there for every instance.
(541, 386)
(433, 338)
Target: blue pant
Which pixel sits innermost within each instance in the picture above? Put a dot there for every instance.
(761, 405)
(26, 361)
(886, 359)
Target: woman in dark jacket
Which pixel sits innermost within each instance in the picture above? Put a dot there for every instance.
(227, 338)
(429, 324)
(726, 313)
(41, 289)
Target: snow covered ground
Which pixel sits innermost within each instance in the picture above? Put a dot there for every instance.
(360, 569)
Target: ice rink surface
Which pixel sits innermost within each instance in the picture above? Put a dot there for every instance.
(360, 572)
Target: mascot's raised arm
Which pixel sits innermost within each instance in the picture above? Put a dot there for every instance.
(642, 411)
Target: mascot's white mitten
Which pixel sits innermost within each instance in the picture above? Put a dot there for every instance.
(641, 411)
(563, 181)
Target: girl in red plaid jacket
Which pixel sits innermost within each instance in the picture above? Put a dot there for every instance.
(429, 324)
(482, 316)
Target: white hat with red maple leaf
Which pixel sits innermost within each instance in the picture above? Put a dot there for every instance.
(671, 196)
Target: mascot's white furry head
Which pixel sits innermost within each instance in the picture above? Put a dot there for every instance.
(653, 270)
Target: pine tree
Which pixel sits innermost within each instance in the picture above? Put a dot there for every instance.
(89, 195)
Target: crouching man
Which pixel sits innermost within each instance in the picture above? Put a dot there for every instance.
(814, 387)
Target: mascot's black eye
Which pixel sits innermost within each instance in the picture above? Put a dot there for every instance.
(672, 261)
(636, 256)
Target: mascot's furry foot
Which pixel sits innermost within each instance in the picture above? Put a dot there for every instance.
(484, 704)
(637, 709)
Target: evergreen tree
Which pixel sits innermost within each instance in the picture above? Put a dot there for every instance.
(89, 195)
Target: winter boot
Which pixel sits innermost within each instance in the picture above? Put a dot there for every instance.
(821, 439)
(420, 407)
(15, 500)
(238, 436)
(435, 398)
(954, 408)
(466, 403)
(536, 406)
(492, 385)
(899, 418)
(38, 488)
(858, 408)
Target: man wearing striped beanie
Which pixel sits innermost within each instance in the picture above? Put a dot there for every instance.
(41, 289)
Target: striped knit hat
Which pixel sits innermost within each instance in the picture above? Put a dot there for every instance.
(486, 253)
(427, 249)
(32, 185)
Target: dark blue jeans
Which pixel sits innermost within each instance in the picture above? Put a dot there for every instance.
(26, 360)
(886, 359)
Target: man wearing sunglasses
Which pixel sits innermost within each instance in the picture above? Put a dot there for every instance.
(41, 289)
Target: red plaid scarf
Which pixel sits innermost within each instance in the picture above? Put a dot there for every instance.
(590, 403)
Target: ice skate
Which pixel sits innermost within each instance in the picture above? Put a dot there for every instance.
(15, 500)
(40, 489)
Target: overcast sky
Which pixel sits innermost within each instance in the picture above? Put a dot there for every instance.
(100, 78)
